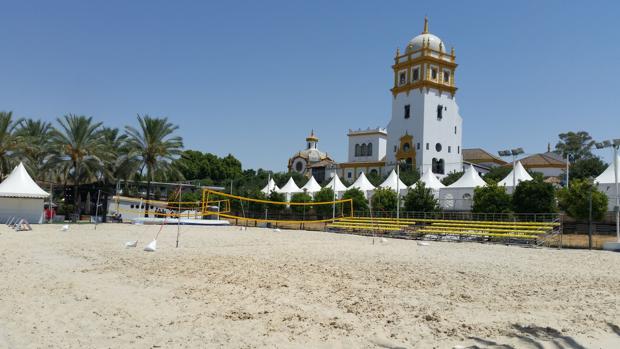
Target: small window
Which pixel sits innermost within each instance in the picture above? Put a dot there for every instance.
(407, 110)
(446, 76)
(418, 146)
(416, 74)
(449, 149)
(406, 147)
(299, 166)
(458, 149)
(131, 206)
(369, 149)
(434, 73)
(374, 172)
(428, 146)
(438, 147)
(308, 145)
(349, 175)
(364, 149)
(357, 150)
(454, 129)
(439, 112)
(402, 78)
(395, 149)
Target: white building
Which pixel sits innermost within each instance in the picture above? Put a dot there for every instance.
(425, 128)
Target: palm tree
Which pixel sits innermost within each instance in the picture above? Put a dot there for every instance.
(78, 149)
(154, 146)
(9, 143)
(34, 138)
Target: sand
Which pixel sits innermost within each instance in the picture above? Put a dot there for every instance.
(226, 288)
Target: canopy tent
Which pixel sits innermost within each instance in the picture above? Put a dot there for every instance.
(340, 187)
(289, 189)
(430, 181)
(312, 186)
(362, 183)
(392, 181)
(459, 195)
(21, 197)
(519, 174)
(606, 183)
(271, 186)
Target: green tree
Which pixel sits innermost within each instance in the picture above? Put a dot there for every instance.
(301, 197)
(534, 196)
(409, 175)
(277, 197)
(374, 178)
(77, 147)
(491, 199)
(586, 168)
(452, 177)
(576, 199)
(360, 204)
(325, 195)
(421, 199)
(34, 137)
(9, 142)
(154, 146)
(497, 173)
(384, 200)
(579, 144)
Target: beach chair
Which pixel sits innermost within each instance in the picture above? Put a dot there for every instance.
(22, 225)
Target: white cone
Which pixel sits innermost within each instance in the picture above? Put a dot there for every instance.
(65, 227)
(420, 243)
(129, 244)
(277, 230)
(151, 247)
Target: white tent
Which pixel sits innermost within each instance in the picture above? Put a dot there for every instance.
(271, 186)
(312, 186)
(289, 189)
(362, 183)
(520, 175)
(340, 187)
(430, 181)
(606, 183)
(459, 195)
(21, 197)
(392, 181)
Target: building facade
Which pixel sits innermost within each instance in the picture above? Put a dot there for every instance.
(311, 161)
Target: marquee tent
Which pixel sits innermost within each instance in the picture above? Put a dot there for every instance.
(520, 175)
(21, 197)
(289, 189)
(340, 187)
(362, 183)
(459, 195)
(430, 181)
(606, 183)
(392, 181)
(271, 186)
(312, 186)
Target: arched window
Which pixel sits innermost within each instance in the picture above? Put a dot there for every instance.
(406, 147)
(434, 165)
(357, 150)
(369, 149)
(441, 166)
(364, 149)
(299, 166)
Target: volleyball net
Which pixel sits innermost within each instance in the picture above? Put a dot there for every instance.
(171, 209)
(261, 210)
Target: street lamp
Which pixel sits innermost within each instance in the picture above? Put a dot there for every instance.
(397, 164)
(334, 174)
(514, 153)
(568, 156)
(615, 144)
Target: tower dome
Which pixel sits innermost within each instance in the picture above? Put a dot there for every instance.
(426, 39)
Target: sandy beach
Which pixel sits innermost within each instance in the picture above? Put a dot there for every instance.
(226, 288)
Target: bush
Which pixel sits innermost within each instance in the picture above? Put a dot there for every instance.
(534, 196)
(360, 204)
(491, 199)
(421, 199)
(452, 177)
(384, 200)
(575, 201)
(324, 195)
(301, 197)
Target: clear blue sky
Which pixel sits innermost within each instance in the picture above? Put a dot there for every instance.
(252, 78)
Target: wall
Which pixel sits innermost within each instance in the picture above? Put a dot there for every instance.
(29, 209)
(378, 142)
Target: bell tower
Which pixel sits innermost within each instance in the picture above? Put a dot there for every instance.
(425, 115)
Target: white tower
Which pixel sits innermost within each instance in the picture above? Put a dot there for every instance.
(425, 128)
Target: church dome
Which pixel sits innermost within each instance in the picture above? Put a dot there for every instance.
(431, 40)
(426, 39)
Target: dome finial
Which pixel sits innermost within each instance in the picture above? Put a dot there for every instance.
(425, 25)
